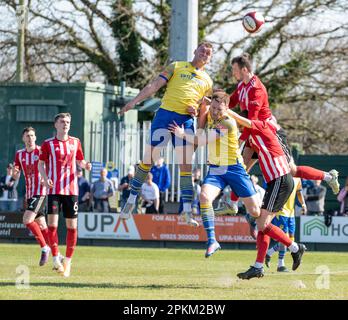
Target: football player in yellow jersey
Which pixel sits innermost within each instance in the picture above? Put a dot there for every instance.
(285, 220)
(225, 165)
(187, 84)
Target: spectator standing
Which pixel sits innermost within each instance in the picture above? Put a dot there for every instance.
(84, 192)
(125, 184)
(343, 199)
(150, 195)
(161, 177)
(8, 191)
(101, 191)
(315, 198)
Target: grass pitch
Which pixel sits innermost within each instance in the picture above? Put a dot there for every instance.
(141, 273)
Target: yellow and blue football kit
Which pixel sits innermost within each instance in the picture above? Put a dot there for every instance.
(225, 161)
(186, 86)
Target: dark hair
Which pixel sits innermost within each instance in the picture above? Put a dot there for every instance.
(10, 166)
(221, 95)
(27, 129)
(61, 115)
(243, 61)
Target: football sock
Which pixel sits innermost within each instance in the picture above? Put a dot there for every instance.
(53, 236)
(36, 231)
(272, 250)
(309, 173)
(282, 250)
(234, 198)
(277, 234)
(71, 240)
(186, 189)
(281, 263)
(45, 235)
(207, 213)
(293, 247)
(327, 176)
(262, 243)
(138, 180)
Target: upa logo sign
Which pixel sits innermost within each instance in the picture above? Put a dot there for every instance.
(106, 226)
(313, 229)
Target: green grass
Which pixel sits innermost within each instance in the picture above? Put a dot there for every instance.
(138, 273)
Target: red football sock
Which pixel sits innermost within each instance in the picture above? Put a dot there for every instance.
(45, 235)
(309, 173)
(53, 236)
(277, 234)
(234, 197)
(262, 241)
(71, 240)
(35, 229)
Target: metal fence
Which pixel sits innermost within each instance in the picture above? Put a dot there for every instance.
(124, 145)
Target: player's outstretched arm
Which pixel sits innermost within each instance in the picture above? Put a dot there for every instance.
(241, 120)
(199, 139)
(146, 92)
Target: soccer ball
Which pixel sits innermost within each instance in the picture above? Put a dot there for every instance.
(253, 22)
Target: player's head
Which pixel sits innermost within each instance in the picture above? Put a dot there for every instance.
(241, 66)
(204, 52)
(62, 122)
(79, 172)
(149, 178)
(219, 104)
(159, 162)
(29, 136)
(103, 173)
(9, 169)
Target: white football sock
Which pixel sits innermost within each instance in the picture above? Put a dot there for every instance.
(270, 252)
(293, 247)
(258, 265)
(281, 263)
(327, 177)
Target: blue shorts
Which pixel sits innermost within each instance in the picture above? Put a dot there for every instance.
(160, 134)
(287, 224)
(235, 176)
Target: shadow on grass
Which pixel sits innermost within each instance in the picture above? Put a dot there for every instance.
(102, 285)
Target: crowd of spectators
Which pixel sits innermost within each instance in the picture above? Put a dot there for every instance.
(96, 196)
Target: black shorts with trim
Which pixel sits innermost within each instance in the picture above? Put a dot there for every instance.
(277, 193)
(68, 204)
(36, 204)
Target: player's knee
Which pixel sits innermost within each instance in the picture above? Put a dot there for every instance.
(27, 218)
(262, 225)
(254, 211)
(204, 198)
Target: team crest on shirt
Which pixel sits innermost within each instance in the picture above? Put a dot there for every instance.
(36, 158)
(72, 147)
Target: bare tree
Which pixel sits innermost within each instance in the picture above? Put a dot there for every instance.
(300, 54)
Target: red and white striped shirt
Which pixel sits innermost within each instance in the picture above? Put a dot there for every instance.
(253, 97)
(60, 158)
(28, 163)
(272, 159)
